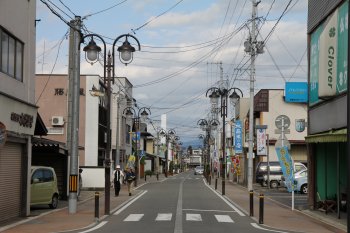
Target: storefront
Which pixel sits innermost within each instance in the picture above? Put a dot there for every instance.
(17, 123)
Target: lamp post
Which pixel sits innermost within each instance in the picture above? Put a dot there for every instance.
(207, 127)
(92, 51)
(141, 114)
(170, 134)
(214, 94)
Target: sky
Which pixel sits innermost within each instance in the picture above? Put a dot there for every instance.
(183, 43)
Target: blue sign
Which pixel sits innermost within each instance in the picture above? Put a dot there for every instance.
(286, 165)
(296, 92)
(238, 137)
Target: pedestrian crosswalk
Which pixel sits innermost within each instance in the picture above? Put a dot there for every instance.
(190, 217)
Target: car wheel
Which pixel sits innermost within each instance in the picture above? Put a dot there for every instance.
(273, 184)
(54, 202)
(303, 189)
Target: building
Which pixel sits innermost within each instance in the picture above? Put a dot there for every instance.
(52, 99)
(327, 117)
(268, 105)
(17, 102)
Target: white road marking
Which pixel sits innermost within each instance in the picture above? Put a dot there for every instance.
(133, 218)
(96, 227)
(223, 218)
(178, 216)
(226, 201)
(132, 201)
(193, 217)
(222, 211)
(261, 228)
(164, 217)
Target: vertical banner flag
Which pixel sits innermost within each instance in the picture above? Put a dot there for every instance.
(286, 165)
(261, 142)
(238, 137)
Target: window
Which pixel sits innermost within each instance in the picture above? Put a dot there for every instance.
(48, 175)
(11, 59)
(38, 174)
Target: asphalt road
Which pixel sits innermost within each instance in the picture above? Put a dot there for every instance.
(179, 204)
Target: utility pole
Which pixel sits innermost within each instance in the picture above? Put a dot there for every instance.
(253, 47)
(73, 112)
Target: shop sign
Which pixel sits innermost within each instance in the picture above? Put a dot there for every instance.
(23, 119)
(300, 125)
(328, 56)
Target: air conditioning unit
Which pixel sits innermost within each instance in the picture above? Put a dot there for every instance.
(57, 121)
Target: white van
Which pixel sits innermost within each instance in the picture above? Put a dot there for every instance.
(275, 173)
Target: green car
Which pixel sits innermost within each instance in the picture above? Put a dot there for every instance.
(43, 188)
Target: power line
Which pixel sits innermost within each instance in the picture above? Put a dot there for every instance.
(134, 30)
(53, 67)
(98, 12)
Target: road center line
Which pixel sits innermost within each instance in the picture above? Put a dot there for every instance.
(178, 218)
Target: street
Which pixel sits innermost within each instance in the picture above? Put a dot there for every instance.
(182, 203)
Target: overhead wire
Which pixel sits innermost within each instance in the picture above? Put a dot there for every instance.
(108, 8)
(53, 67)
(149, 21)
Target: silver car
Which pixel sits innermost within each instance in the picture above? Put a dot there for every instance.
(199, 170)
(300, 181)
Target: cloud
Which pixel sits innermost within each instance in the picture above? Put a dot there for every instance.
(188, 27)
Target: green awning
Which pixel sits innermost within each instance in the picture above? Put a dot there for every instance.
(331, 136)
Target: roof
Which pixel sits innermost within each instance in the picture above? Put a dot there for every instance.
(331, 136)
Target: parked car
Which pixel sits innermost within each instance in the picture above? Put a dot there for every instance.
(275, 173)
(199, 170)
(43, 187)
(300, 181)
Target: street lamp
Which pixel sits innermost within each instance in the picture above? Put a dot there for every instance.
(214, 95)
(141, 115)
(170, 134)
(207, 127)
(92, 52)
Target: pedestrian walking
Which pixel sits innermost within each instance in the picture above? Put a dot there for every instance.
(118, 174)
(130, 177)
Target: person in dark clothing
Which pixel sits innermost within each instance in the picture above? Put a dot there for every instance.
(118, 174)
(130, 177)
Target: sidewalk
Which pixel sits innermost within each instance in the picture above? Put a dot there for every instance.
(278, 216)
(60, 220)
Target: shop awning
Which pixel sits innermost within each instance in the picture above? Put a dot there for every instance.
(331, 136)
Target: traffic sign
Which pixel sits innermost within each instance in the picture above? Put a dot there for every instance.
(279, 131)
(286, 121)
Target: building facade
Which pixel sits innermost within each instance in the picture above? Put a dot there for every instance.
(268, 105)
(327, 116)
(17, 102)
(52, 99)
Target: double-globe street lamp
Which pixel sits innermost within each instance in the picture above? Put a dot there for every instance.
(92, 52)
(169, 135)
(214, 95)
(141, 115)
(207, 126)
